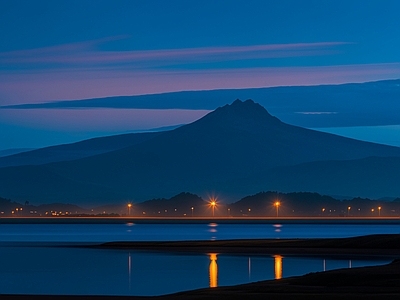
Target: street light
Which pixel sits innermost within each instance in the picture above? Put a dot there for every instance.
(192, 210)
(213, 203)
(348, 210)
(277, 204)
(379, 211)
(129, 208)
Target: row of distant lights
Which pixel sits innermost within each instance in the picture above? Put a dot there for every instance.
(277, 204)
(213, 203)
(53, 213)
(349, 208)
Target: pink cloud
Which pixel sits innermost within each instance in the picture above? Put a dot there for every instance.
(31, 87)
(85, 53)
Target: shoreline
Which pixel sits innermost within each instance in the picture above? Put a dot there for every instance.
(201, 220)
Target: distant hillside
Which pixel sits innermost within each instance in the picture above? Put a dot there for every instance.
(236, 150)
(75, 150)
(8, 152)
(177, 206)
(310, 204)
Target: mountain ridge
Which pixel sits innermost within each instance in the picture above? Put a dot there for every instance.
(231, 144)
(75, 150)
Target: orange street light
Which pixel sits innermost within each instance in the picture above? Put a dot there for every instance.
(348, 210)
(192, 210)
(277, 204)
(379, 211)
(213, 203)
(129, 208)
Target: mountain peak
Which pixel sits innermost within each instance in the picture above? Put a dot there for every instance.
(244, 106)
(242, 114)
(240, 102)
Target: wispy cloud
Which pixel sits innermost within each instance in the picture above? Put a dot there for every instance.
(84, 70)
(87, 53)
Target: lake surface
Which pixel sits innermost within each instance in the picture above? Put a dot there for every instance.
(33, 268)
(97, 233)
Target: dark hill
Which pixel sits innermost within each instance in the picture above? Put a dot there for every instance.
(177, 206)
(219, 152)
(76, 150)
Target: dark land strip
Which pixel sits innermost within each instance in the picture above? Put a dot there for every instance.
(380, 244)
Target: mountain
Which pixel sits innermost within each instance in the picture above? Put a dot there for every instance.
(351, 104)
(367, 177)
(8, 152)
(76, 150)
(235, 150)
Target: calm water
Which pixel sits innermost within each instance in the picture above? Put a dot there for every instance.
(93, 233)
(62, 270)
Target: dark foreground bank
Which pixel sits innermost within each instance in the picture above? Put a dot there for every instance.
(378, 282)
(379, 244)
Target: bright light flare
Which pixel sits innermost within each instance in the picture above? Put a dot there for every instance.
(213, 204)
(277, 204)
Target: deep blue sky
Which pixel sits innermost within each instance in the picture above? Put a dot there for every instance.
(54, 50)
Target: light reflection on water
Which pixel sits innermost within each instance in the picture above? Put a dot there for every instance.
(84, 271)
(278, 266)
(213, 273)
(95, 233)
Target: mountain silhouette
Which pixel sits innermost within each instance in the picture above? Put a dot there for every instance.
(234, 150)
(76, 150)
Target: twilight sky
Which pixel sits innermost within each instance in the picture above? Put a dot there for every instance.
(65, 50)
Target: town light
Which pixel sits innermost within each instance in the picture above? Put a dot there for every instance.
(213, 203)
(277, 204)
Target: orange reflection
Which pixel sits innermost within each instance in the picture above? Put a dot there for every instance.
(213, 270)
(278, 266)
